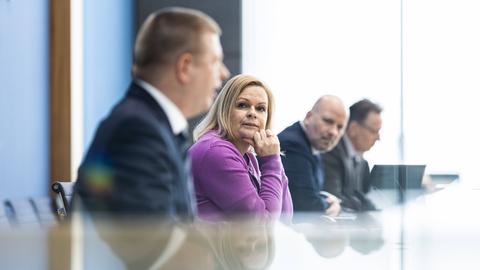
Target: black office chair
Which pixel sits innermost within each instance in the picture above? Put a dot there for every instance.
(4, 223)
(44, 209)
(64, 192)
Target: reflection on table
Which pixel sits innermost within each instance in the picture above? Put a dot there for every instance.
(440, 230)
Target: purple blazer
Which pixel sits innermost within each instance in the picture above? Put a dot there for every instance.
(227, 183)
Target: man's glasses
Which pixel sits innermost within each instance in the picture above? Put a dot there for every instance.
(370, 129)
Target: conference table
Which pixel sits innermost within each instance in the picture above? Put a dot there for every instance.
(435, 230)
(439, 230)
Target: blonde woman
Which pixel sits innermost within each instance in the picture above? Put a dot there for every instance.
(235, 132)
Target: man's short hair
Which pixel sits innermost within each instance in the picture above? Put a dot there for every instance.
(360, 110)
(169, 32)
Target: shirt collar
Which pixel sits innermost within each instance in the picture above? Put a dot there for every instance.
(174, 115)
(315, 152)
(351, 152)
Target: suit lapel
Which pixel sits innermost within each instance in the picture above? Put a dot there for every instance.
(301, 137)
(137, 92)
(177, 144)
(348, 168)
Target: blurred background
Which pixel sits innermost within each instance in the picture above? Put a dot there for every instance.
(63, 64)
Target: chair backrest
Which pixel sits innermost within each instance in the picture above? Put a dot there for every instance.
(64, 192)
(4, 223)
(20, 212)
(44, 210)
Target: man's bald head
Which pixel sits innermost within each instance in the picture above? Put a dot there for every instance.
(325, 122)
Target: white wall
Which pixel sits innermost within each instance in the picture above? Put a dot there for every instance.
(354, 49)
(304, 49)
(442, 75)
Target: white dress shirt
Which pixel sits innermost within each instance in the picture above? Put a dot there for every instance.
(174, 115)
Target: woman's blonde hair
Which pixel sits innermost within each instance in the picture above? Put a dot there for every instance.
(218, 117)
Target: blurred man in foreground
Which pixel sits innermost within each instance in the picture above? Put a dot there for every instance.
(137, 164)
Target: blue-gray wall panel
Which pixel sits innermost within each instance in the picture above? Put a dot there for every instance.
(24, 91)
(108, 39)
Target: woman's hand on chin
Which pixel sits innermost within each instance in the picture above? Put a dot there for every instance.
(266, 143)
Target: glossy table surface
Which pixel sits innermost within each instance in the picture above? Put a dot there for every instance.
(440, 230)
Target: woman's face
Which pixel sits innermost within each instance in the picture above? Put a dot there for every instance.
(249, 115)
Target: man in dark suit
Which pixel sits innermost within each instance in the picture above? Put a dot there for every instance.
(302, 144)
(137, 163)
(347, 173)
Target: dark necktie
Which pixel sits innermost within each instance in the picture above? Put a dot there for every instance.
(319, 171)
(184, 143)
(320, 177)
(357, 173)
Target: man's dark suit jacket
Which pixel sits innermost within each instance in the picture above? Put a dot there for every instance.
(136, 165)
(347, 179)
(302, 170)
